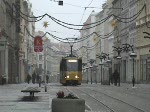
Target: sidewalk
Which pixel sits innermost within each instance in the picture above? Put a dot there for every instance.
(12, 99)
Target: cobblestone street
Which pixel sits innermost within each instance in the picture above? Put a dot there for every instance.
(13, 100)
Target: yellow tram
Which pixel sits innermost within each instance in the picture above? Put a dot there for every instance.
(71, 71)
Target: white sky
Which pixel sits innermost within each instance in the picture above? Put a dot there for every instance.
(71, 12)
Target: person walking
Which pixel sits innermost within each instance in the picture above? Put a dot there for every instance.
(47, 78)
(116, 77)
(28, 78)
(111, 78)
(33, 77)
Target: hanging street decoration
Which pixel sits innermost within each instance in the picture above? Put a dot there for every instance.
(114, 23)
(94, 39)
(45, 24)
(38, 44)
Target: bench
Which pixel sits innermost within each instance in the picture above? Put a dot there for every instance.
(31, 90)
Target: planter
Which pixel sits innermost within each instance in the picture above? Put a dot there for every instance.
(68, 105)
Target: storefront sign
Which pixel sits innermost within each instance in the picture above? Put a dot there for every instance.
(38, 44)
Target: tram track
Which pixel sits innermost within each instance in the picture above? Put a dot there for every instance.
(108, 108)
(130, 106)
(119, 100)
(133, 92)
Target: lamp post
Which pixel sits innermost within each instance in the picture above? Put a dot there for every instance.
(91, 66)
(101, 64)
(109, 62)
(45, 63)
(87, 74)
(126, 48)
(101, 57)
(83, 66)
(91, 73)
(95, 67)
(133, 56)
(45, 67)
(119, 59)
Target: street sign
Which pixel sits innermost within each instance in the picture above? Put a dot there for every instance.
(38, 44)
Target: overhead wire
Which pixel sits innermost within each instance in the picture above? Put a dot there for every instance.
(47, 14)
(57, 21)
(131, 19)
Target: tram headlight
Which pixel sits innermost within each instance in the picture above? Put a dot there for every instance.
(76, 76)
(67, 76)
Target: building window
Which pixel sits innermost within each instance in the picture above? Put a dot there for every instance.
(40, 66)
(40, 57)
(145, 68)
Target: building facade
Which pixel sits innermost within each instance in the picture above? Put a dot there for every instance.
(130, 31)
(9, 49)
(142, 44)
(26, 38)
(13, 36)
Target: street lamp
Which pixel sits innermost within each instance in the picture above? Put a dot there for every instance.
(83, 68)
(87, 74)
(133, 56)
(101, 57)
(126, 48)
(119, 59)
(101, 64)
(109, 62)
(95, 67)
(91, 72)
(91, 61)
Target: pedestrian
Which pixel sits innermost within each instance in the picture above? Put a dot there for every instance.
(37, 78)
(111, 78)
(28, 78)
(47, 78)
(39, 81)
(116, 77)
(33, 77)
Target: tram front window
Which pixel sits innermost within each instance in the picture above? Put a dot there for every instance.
(72, 66)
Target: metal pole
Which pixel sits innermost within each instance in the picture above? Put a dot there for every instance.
(119, 74)
(87, 75)
(91, 75)
(109, 73)
(87, 63)
(71, 50)
(133, 80)
(101, 74)
(45, 67)
(95, 76)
